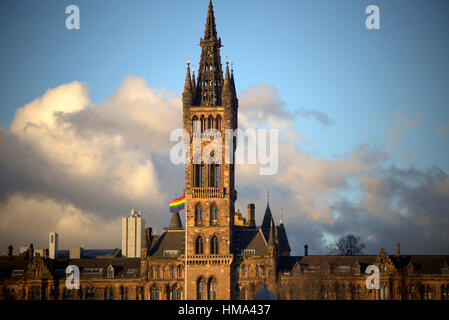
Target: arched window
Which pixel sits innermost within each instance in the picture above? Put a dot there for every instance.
(154, 293)
(203, 124)
(211, 289)
(158, 272)
(218, 123)
(214, 245)
(427, 292)
(109, 293)
(213, 214)
(217, 175)
(151, 273)
(210, 122)
(173, 272)
(196, 125)
(139, 293)
(176, 293)
(264, 271)
(199, 245)
(257, 271)
(383, 291)
(198, 215)
(179, 272)
(90, 294)
(201, 289)
(212, 174)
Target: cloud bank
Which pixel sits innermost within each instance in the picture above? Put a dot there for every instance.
(71, 166)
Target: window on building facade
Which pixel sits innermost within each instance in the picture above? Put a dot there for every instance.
(444, 292)
(140, 293)
(67, 294)
(214, 245)
(154, 293)
(213, 214)
(179, 272)
(198, 215)
(109, 293)
(212, 289)
(199, 245)
(201, 289)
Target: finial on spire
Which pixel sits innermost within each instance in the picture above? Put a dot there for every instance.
(193, 67)
(282, 211)
(227, 58)
(188, 60)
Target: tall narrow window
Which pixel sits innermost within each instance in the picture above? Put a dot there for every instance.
(212, 289)
(154, 293)
(179, 272)
(214, 245)
(213, 214)
(243, 294)
(196, 125)
(203, 124)
(201, 289)
(202, 175)
(212, 175)
(158, 272)
(244, 271)
(217, 175)
(210, 122)
(218, 123)
(199, 245)
(198, 215)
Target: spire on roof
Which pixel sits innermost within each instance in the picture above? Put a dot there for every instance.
(188, 82)
(210, 73)
(267, 219)
(175, 223)
(210, 32)
(193, 79)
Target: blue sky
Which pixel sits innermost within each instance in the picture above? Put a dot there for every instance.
(344, 86)
(318, 54)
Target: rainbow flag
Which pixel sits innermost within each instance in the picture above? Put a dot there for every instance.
(177, 204)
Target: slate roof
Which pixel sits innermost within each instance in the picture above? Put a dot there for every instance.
(422, 264)
(123, 267)
(8, 264)
(169, 240)
(283, 239)
(92, 253)
(250, 239)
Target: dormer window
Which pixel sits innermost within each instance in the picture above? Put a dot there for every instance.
(110, 272)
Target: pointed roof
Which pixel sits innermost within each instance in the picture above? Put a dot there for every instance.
(175, 223)
(227, 86)
(188, 82)
(271, 239)
(193, 79)
(232, 82)
(210, 73)
(267, 221)
(283, 239)
(210, 32)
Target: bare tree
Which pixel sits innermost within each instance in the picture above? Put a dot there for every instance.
(347, 245)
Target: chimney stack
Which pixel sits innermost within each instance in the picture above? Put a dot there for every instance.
(252, 214)
(10, 250)
(398, 251)
(306, 250)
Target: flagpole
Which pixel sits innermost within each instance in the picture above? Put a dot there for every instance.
(185, 249)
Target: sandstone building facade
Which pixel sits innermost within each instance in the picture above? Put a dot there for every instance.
(222, 255)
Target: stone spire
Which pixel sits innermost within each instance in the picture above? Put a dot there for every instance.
(226, 95)
(187, 95)
(210, 32)
(175, 223)
(210, 74)
(193, 79)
